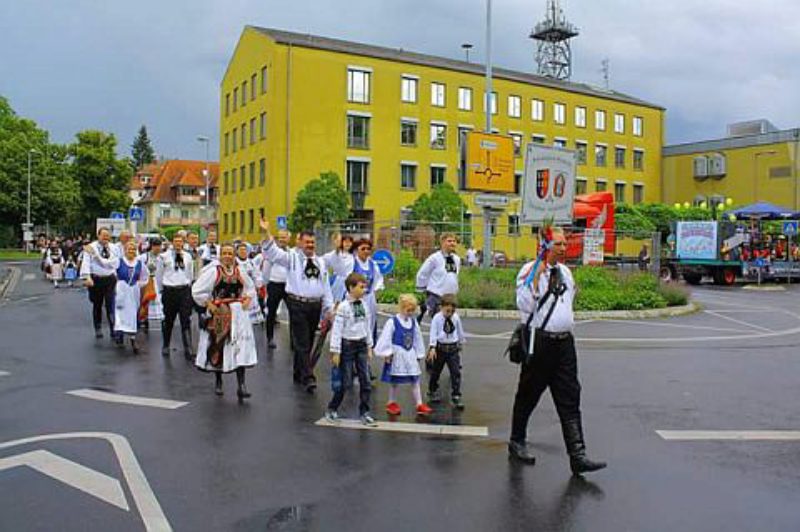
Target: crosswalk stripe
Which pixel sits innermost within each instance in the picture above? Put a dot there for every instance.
(109, 397)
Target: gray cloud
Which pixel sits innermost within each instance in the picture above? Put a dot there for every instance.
(115, 65)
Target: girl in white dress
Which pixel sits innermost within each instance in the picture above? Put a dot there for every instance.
(401, 345)
(226, 341)
(249, 268)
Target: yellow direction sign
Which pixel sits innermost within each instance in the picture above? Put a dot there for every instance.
(490, 163)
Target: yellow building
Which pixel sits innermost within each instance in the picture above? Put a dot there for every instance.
(755, 162)
(390, 123)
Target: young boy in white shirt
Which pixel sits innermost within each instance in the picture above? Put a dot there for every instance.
(447, 337)
(351, 349)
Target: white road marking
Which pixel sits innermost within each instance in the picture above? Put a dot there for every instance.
(29, 277)
(734, 320)
(4, 374)
(109, 397)
(78, 476)
(146, 501)
(417, 428)
(737, 435)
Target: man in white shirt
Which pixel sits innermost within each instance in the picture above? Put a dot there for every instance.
(119, 247)
(308, 297)
(209, 252)
(438, 275)
(549, 295)
(472, 257)
(275, 276)
(174, 277)
(101, 280)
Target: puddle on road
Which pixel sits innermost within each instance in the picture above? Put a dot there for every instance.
(288, 518)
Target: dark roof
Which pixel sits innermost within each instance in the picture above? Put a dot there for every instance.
(403, 56)
(732, 143)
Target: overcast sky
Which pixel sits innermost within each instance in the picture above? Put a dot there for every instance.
(114, 65)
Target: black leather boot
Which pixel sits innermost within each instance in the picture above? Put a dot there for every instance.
(218, 383)
(186, 337)
(241, 391)
(166, 336)
(576, 448)
(519, 451)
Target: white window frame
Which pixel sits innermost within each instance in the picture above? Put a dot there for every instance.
(514, 106)
(537, 110)
(538, 139)
(640, 186)
(638, 126)
(619, 123)
(433, 144)
(580, 116)
(559, 113)
(438, 166)
(600, 120)
(560, 142)
(635, 152)
(585, 182)
(409, 164)
(354, 73)
(438, 94)
(409, 88)
(464, 99)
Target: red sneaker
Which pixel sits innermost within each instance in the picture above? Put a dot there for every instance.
(393, 409)
(423, 409)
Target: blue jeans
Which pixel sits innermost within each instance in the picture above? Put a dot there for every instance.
(353, 358)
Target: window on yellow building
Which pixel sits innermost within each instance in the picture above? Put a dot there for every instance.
(437, 94)
(580, 117)
(252, 219)
(261, 213)
(358, 82)
(538, 139)
(464, 99)
(235, 135)
(408, 176)
(581, 186)
(638, 160)
(234, 174)
(241, 220)
(357, 131)
(559, 113)
(513, 225)
(619, 192)
(262, 172)
(600, 185)
(252, 174)
(537, 110)
(462, 135)
(252, 131)
(227, 142)
(235, 98)
(263, 80)
(233, 222)
(243, 131)
(638, 194)
(358, 176)
(600, 152)
(244, 93)
(600, 120)
(619, 157)
(514, 106)
(225, 182)
(262, 126)
(408, 133)
(409, 86)
(559, 142)
(438, 175)
(242, 177)
(253, 87)
(438, 136)
(580, 151)
(516, 138)
(619, 123)
(638, 126)
(225, 226)
(517, 183)
(228, 104)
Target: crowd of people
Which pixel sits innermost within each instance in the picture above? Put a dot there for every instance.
(230, 287)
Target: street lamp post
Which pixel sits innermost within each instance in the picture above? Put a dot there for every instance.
(206, 140)
(28, 217)
(755, 171)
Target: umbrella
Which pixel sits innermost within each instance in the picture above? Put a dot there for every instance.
(762, 210)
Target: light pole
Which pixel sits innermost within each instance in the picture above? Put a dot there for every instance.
(755, 171)
(206, 140)
(466, 47)
(28, 217)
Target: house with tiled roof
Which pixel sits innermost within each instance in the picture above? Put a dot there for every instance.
(174, 193)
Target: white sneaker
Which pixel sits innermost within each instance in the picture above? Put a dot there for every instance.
(331, 416)
(368, 421)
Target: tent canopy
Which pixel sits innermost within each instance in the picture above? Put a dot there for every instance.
(763, 210)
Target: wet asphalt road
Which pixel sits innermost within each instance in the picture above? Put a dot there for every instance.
(215, 464)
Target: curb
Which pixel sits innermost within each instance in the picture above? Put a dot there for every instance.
(764, 288)
(10, 281)
(579, 315)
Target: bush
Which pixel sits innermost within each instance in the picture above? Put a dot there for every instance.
(674, 295)
(406, 266)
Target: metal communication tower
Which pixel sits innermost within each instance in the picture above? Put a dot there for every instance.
(553, 51)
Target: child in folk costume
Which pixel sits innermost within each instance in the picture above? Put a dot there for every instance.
(55, 265)
(248, 267)
(401, 344)
(70, 270)
(151, 308)
(226, 342)
(446, 338)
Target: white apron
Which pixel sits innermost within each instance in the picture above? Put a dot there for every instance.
(240, 348)
(126, 307)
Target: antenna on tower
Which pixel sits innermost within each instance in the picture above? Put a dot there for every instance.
(553, 50)
(606, 70)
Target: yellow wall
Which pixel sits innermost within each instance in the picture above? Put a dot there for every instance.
(317, 93)
(738, 183)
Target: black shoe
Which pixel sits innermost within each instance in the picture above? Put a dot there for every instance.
(458, 403)
(519, 452)
(576, 448)
(242, 392)
(165, 351)
(186, 338)
(134, 346)
(98, 333)
(271, 345)
(311, 387)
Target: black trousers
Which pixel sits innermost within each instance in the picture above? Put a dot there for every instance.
(554, 365)
(303, 323)
(177, 301)
(353, 360)
(276, 292)
(450, 356)
(102, 295)
(430, 304)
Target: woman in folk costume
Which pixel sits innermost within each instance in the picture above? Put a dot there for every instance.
(54, 265)
(132, 275)
(249, 268)
(340, 261)
(150, 308)
(226, 342)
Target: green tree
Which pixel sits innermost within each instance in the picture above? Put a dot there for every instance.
(55, 197)
(321, 201)
(141, 150)
(104, 179)
(442, 208)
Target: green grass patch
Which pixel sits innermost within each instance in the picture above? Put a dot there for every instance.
(15, 254)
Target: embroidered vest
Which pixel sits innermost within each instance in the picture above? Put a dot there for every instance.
(403, 337)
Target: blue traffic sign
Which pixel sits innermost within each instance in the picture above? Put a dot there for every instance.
(282, 222)
(789, 228)
(760, 262)
(117, 216)
(385, 260)
(136, 214)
